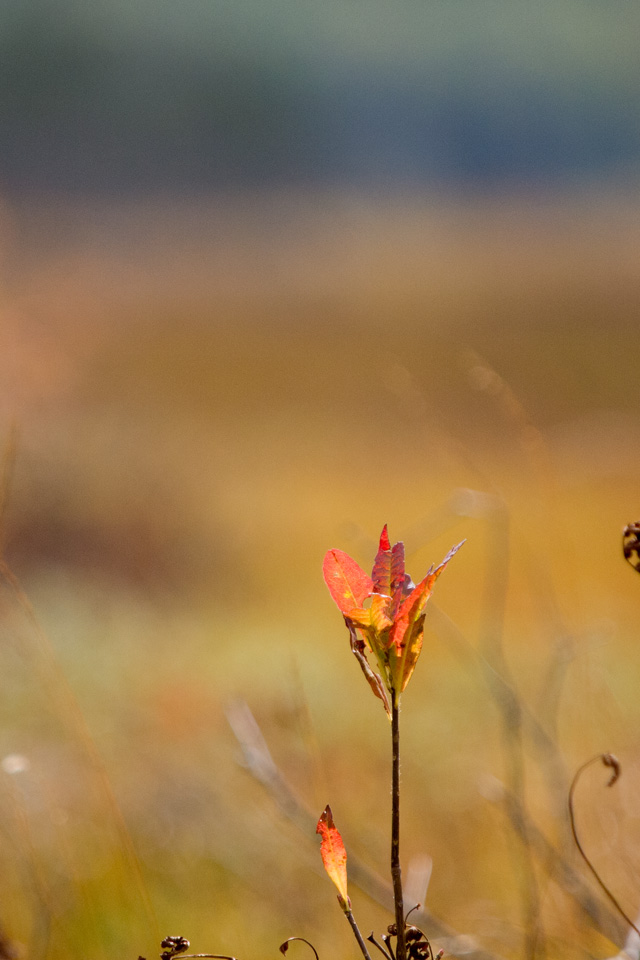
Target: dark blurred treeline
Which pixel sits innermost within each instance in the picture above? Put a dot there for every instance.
(191, 94)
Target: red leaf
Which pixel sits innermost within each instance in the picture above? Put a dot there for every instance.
(413, 605)
(408, 630)
(409, 612)
(333, 853)
(348, 584)
(384, 539)
(382, 566)
(401, 583)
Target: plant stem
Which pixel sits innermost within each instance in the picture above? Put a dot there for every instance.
(356, 931)
(396, 874)
(609, 761)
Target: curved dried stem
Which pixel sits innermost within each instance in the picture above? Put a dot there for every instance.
(609, 760)
(285, 946)
(418, 906)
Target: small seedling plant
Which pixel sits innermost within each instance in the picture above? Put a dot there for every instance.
(384, 615)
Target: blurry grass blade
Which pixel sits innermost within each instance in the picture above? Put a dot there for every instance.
(7, 469)
(416, 884)
(254, 747)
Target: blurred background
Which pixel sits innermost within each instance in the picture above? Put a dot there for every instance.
(272, 274)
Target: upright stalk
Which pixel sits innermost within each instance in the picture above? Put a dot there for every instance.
(396, 874)
(357, 934)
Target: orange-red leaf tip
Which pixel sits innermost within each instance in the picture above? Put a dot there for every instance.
(384, 539)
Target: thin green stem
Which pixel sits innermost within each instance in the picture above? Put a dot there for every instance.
(396, 873)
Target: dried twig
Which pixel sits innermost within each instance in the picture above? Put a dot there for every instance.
(613, 763)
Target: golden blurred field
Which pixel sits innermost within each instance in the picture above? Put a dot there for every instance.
(206, 395)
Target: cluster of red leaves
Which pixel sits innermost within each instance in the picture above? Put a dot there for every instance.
(391, 625)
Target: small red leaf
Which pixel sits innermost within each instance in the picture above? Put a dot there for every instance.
(401, 583)
(333, 853)
(409, 612)
(381, 575)
(413, 605)
(384, 539)
(348, 584)
(408, 629)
